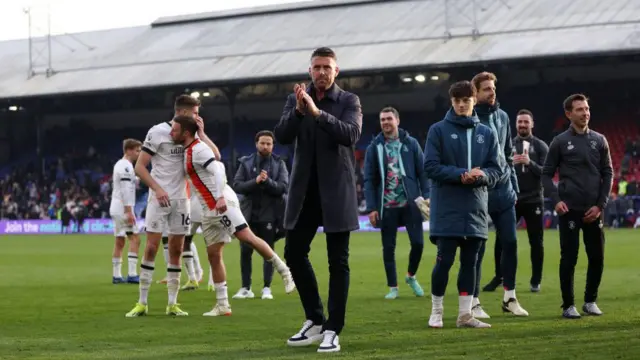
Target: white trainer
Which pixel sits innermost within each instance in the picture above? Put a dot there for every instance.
(266, 294)
(244, 293)
(308, 335)
(219, 310)
(591, 309)
(435, 320)
(478, 312)
(513, 306)
(468, 321)
(330, 342)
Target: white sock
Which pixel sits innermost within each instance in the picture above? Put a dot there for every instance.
(210, 276)
(221, 293)
(187, 256)
(464, 304)
(436, 302)
(278, 264)
(508, 294)
(475, 302)
(196, 259)
(117, 267)
(133, 264)
(146, 275)
(165, 252)
(173, 283)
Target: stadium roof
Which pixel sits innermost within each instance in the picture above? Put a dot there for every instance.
(275, 42)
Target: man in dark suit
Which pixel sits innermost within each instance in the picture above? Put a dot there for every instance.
(324, 122)
(262, 178)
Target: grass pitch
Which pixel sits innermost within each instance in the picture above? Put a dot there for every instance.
(57, 302)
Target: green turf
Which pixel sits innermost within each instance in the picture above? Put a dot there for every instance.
(57, 302)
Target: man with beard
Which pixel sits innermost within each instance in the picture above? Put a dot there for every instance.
(502, 197)
(263, 179)
(583, 161)
(530, 155)
(325, 123)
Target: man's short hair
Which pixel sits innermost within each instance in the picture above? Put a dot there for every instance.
(568, 102)
(391, 109)
(324, 52)
(483, 76)
(187, 123)
(131, 144)
(462, 89)
(264, 133)
(185, 101)
(525, 112)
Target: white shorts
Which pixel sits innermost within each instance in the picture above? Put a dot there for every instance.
(196, 212)
(195, 225)
(172, 220)
(121, 226)
(220, 228)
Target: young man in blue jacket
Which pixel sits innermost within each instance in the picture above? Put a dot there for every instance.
(393, 178)
(461, 160)
(502, 198)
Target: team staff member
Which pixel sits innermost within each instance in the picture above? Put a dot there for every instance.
(263, 179)
(528, 163)
(325, 123)
(583, 161)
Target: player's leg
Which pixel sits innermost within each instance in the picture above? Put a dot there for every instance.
(194, 250)
(505, 222)
(535, 230)
(214, 253)
(445, 257)
(593, 236)
(165, 254)
(116, 260)
(478, 311)
(268, 234)
(413, 225)
(467, 281)
(389, 233)
(187, 256)
(132, 257)
(569, 229)
(154, 236)
(246, 252)
(179, 227)
(496, 281)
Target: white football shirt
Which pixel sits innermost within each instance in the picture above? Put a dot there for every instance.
(206, 176)
(124, 187)
(166, 161)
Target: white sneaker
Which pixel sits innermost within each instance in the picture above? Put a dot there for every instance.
(513, 306)
(244, 293)
(468, 321)
(330, 342)
(479, 313)
(309, 334)
(219, 310)
(591, 309)
(266, 294)
(435, 320)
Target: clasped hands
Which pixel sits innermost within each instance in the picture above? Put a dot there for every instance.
(304, 102)
(471, 176)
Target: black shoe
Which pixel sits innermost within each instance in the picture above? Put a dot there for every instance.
(492, 285)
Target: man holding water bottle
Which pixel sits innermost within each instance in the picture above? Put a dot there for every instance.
(528, 161)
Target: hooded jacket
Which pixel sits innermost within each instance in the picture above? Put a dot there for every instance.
(414, 179)
(505, 193)
(454, 146)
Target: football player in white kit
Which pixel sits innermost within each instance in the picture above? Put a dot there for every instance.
(222, 217)
(168, 204)
(190, 253)
(123, 200)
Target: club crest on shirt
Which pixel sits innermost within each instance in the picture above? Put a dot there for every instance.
(480, 139)
(593, 144)
(572, 225)
(454, 136)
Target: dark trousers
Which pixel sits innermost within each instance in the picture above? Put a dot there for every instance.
(296, 253)
(570, 225)
(266, 231)
(447, 248)
(532, 214)
(391, 220)
(505, 225)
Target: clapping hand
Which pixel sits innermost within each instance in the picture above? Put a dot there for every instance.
(304, 102)
(262, 177)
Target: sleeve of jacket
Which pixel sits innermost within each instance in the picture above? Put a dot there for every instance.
(509, 150)
(371, 179)
(551, 163)
(348, 129)
(287, 128)
(420, 173)
(433, 166)
(491, 166)
(606, 173)
(279, 185)
(543, 150)
(241, 184)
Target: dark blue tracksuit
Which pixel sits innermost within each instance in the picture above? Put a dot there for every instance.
(415, 184)
(459, 212)
(502, 198)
